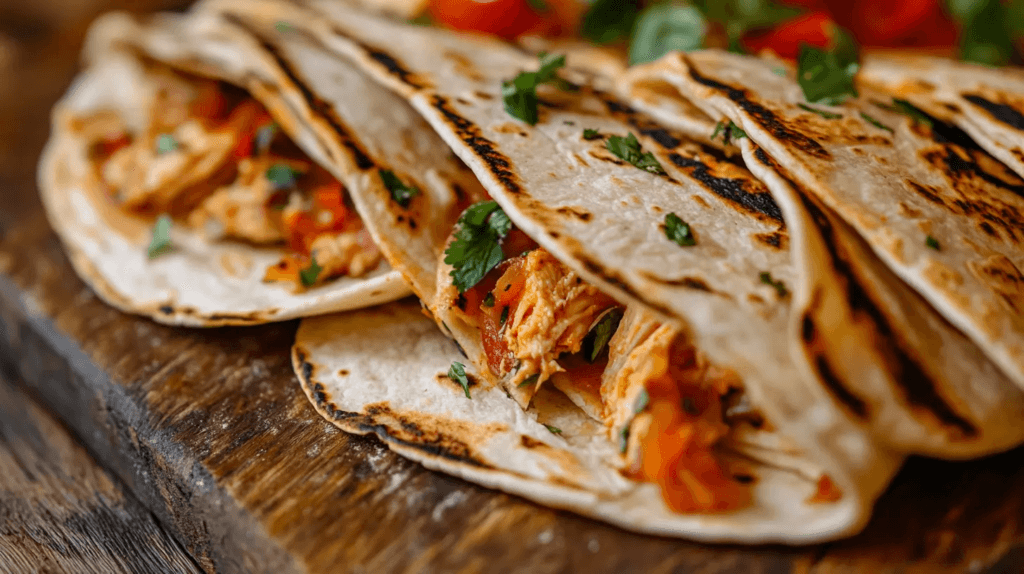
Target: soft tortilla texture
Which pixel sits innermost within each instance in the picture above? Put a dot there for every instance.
(593, 212)
(383, 371)
(985, 102)
(894, 189)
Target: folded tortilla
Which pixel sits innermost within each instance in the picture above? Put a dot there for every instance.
(207, 281)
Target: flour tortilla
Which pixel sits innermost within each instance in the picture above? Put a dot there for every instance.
(206, 284)
(610, 232)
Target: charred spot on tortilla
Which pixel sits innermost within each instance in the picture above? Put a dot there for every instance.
(735, 191)
(826, 374)
(1004, 113)
(765, 117)
(576, 212)
(776, 239)
(166, 309)
(499, 165)
(533, 443)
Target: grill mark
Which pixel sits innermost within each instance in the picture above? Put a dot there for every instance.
(1000, 112)
(919, 389)
(616, 281)
(960, 166)
(838, 388)
(389, 62)
(499, 165)
(731, 190)
(765, 117)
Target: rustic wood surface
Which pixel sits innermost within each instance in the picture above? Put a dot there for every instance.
(209, 430)
(60, 512)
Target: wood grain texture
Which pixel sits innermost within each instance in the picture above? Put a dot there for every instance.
(209, 430)
(59, 512)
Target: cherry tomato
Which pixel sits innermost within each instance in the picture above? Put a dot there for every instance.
(815, 29)
(505, 18)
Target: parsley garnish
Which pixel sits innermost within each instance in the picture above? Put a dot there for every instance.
(554, 430)
(457, 373)
(826, 77)
(489, 300)
(624, 438)
(283, 176)
(666, 27)
(628, 148)
(400, 193)
(590, 134)
(265, 136)
(822, 113)
(165, 143)
(476, 248)
(529, 380)
(504, 315)
(161, 242)
(729, 131)
(569, 122)
(282, 26)
(597, 339)
(910, 110)
(875, 122)
(679, 231)
(779, 286)
(309, 275)
(932, 243)
(642, 400)
(520, 94)
(608, 20)
(988, 29)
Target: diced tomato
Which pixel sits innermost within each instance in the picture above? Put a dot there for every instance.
(505, 18)
(285, 270)
(815, 29)
(301, 231)
(826, 491)
(245, 119)
(210, 104)
(329, 214)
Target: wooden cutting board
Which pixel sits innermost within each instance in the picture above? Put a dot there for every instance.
(209, 430)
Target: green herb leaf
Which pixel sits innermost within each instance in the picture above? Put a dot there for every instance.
(597, 339)
(628, 149)
(165, 143)
(624, 438)
(265, 136)
(987, 29)
(283, 176)
(679, 231)
(589, 134)
(910, 110)
(554, 430)
(642, 400)
(489, 300)
(457, 373)
(875, 122)
(504, 316)
(609, 20)
(822, 113)
(827, 77)
(161, 241)
(532, 379)
(779, 286)
(740, 16)
(423, 19)
(309, 275)
(666, 27)
(400, 193)
(520, 94)
(932, 243)
(282, 26)
(476, 248)
(729, 131)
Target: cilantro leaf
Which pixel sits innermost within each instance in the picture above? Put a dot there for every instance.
(457, 373)
(489, 300)
(520, 94)
(825, 114)
(532, 379)
(628, 149)
(624, 438)
(642, 400)
(826, 76)
(875, 122)
(679, 231)
(161, 241)
(309, 275)
(283, 176)
(729, 131)
(282, 26)
(779, 286)
(910, 110)
(608, 20)
(400, 193)
(504, 316)
(597, 339)
(987, 29)
(476, 248)
(165, 143)
(932, 243)
(554, 430)
(740, 16)
(665, 27)
(590, 134)
(265, 136)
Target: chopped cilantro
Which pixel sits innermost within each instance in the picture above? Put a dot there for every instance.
(421, 20)
(932, 243)
(489, 300)
(161, 242)
(504, 315)
(779, 286)
(642, 400)
(265, 136)
(729, 131)
(476, 248)
(628, 148)
(624, 438)
(590, 134)
(457, 373)
(665, 27)
(309, 275)
(597, 339)
(910, 110)
(826, 76)
(738, 17)
(822, 113)
(529, 380)
(554, 430)
(679, 231)
(400, 193)
(875, 122)
(988, 29)
(609, 20)
(165, 143)
(779, 71)
(283, 176)
(520, 94)
(282, 26)
(569, 122)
